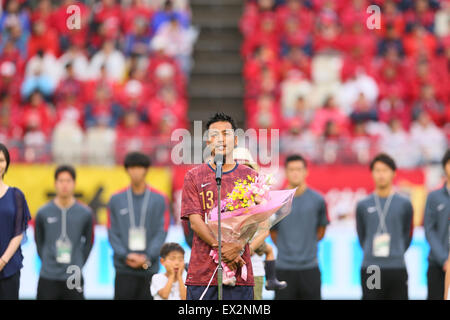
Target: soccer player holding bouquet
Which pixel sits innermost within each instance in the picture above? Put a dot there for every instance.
(198, 198)
(248, 209)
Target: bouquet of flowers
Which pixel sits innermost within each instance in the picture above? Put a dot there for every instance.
(250, 208)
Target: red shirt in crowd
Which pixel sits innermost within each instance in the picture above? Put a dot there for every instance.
(40, 117)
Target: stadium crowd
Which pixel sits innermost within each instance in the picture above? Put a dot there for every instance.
(92, 92)
(341, 88)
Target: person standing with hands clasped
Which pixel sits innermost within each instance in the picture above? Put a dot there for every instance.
(297, 236)
(436, 223)
(384, 223)
(14, 217)
(64, 235)
(138, 220)
(170, 285)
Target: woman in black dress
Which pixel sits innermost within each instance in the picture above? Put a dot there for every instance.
(14, 217)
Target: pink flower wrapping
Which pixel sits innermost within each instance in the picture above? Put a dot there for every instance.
(241, 224)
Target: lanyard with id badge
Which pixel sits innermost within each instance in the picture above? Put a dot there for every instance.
(382, 240)
(137, 234)
(63, 244)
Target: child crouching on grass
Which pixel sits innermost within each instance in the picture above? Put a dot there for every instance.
(170, 285)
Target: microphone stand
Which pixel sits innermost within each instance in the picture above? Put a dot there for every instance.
(219, 270)
(219, 163)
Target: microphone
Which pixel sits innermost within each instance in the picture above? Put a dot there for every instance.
(218, 161)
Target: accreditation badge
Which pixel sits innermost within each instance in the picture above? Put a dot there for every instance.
(63, 251)
(381, 245)
(136, 239)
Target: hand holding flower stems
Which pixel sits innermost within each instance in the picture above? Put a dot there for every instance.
(251, 208)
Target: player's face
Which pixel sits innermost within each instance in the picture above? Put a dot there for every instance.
(382, 174)
(221, 139)
(137, 174)
(296, 172)
(64, 185)
(2, 164)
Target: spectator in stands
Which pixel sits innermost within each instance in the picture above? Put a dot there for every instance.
(266, 114)
(301, 112)
(297, 60)
(167, 112)
(69, 85)
(431, 105)
(14, 13)
(42, 73)
(134, 94)
(167, 12)
(178, 42)
(43, 38)
(392, 39)
(397, 143)
(421, 13)
(12, 54)
(102, 110)
(10, 130)
(358, 83)
(132, 135)
(393, 107)
(363, 111)
(138, 10)
(295, 87)
(299, 137)
(67, 36)
(137, 40)
(392, 16)
(43, 12)
(441, 21)
(428, 138)
(106, 21)
(112, 59)
(15, 33)
(37, 115)
(329, 116)
(76, 56)
(419, 41)
(9, 82)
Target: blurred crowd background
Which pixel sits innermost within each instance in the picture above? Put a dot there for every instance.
(341, 91)
(88, 95)
(338, 90)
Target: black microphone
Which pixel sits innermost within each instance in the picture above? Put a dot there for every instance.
(218, 161)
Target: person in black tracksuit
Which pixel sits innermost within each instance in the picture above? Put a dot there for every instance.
(436, 223)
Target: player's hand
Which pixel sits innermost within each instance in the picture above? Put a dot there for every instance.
(230, 251)
(236, 263)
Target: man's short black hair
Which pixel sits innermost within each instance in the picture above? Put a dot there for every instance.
(219, 117)
(295, 157)
(384, 158)
(169, 247)
(66, 168)
(446, 158)
(136, 159)
(4, 150)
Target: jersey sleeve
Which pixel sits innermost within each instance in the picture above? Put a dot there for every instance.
(190, 203)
